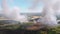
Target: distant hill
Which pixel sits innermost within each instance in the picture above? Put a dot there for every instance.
(8, 22)
(37, 14)
(31, 14)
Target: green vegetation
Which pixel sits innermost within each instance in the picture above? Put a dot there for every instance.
(55, 30)
(12, 27)
(19, 26)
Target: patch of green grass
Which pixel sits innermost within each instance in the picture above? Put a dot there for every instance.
(55, 30)
(13, 27)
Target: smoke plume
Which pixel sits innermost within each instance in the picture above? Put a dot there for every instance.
(14, 14)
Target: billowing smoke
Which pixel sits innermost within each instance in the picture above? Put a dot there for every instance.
(49, 16)
(5, 7)
(14, 14)
(48, 13)
(56, 8)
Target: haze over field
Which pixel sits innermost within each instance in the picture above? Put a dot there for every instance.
(11, 9)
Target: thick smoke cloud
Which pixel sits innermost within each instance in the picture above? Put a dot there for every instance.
(50, 7)
(49, 16)
(14, 14)
(5, 7)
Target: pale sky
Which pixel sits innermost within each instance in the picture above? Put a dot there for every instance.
(23, 5)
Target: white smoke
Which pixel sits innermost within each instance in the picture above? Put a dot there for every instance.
(16, 15)
(48, 11)
(13, 15)
(5, 7)
(49, 17)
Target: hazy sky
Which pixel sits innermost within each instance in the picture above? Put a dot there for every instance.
(23, 5)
